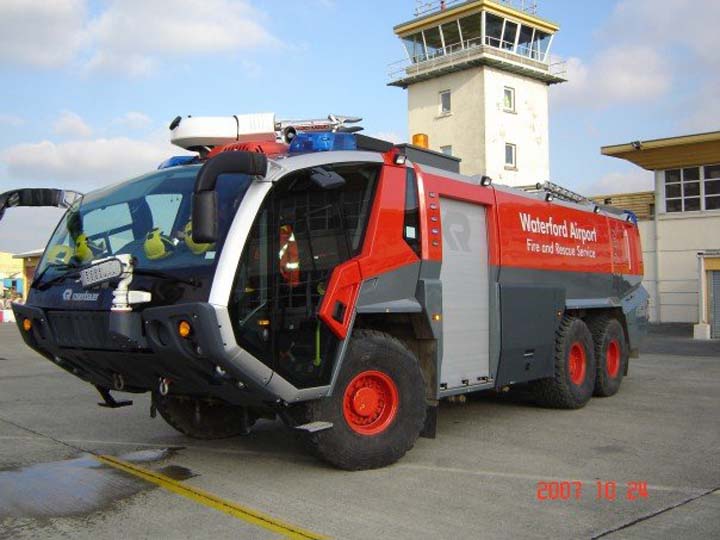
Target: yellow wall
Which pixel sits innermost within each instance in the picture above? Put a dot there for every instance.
(10, 266)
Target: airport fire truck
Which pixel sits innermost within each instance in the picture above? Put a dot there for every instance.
(341, 283)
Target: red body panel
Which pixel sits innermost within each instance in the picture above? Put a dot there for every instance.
(384, 250)
(523, 232)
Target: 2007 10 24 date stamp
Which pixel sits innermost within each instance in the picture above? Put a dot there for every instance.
(603, 490)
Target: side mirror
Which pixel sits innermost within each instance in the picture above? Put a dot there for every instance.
(58, 198)
(205, 205)
(325, 179)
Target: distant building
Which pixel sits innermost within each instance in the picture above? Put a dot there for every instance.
(680, 226)
(28, 262)
(477, 75)
(11, 278)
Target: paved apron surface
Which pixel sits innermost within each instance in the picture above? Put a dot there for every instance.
(479, 478)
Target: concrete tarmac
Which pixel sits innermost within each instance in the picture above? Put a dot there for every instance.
(500, 467)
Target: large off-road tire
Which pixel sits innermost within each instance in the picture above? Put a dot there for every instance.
(202, 419)
(377, 409)
(611, 354)
(572, 384)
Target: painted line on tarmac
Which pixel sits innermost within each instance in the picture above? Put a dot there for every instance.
(212, 501)
(532, 477)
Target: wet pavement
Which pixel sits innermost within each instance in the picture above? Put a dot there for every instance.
(482, 477)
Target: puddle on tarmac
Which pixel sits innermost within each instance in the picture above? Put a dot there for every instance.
(76, 486)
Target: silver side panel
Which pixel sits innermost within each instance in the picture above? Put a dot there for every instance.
(464, 276)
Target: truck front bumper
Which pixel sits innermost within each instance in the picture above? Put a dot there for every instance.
(136, 350)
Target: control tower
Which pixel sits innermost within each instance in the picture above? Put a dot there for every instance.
(477, 74)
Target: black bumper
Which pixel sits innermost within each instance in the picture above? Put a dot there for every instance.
(96, 346)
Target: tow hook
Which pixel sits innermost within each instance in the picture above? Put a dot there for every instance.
(164, 387)
(118, 382)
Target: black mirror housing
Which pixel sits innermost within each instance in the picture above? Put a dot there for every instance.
(325, 179)
(205, 204)
(204, 217)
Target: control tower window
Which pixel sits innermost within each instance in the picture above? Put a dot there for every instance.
(451, 33)
(415, 47)
(541, 44)
(433, 42)
(509, 34)
(471, 28)
(525, 42)
(493, 29)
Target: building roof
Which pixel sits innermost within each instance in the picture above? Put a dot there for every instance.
(29, 254)
(473, 6)
(641, 203)
(669, 153)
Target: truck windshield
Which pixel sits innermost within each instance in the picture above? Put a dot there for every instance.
(147, 217)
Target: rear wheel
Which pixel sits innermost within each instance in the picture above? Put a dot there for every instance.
(611, 351)
(203, 419)
(572, 384)
(377, 409)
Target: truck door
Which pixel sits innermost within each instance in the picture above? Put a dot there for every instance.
(465, 295)
(300, 235)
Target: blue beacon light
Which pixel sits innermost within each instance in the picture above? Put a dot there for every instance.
(322, 141)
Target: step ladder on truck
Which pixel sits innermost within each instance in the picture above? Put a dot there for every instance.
(344, 284)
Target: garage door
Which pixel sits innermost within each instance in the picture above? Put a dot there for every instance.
(715, 304)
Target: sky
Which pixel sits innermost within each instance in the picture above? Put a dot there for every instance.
(88, 88)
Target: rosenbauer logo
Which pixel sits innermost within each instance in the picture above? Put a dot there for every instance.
(560, 230)
(69, 295)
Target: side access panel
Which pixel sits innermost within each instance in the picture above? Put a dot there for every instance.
(465, 295)
(530, 316)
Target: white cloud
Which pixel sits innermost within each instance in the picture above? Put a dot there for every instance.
(133, 120)
(132, 35)
(41, 33)
(84, 164)
(616, 75)
(688, 24)
(621, 182)
(704, 109)
(70, 123)
(11, 120)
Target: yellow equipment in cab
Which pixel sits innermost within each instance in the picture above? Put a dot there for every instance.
(83, 248)
(157, 245)
(60, 254)
(197, 249)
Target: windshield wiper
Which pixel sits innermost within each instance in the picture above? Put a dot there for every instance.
(57, 266)
(73, 272)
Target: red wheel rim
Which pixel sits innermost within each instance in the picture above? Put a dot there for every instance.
(577, 364)
(612, 358)
(370, 402)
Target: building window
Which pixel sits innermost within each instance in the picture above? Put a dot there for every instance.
(445, 104)
(510, 156)
(692, 189)
(509, 99)
(447, 150)
(711, 174)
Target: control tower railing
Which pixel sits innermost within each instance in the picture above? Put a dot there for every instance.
(531, 61)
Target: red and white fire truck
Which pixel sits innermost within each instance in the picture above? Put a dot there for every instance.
(341, 283)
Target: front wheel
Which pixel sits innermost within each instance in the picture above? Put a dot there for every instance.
(203, 419)
(377, 409)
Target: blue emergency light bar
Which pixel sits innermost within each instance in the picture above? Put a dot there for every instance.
(322, 141)
(176, 161)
